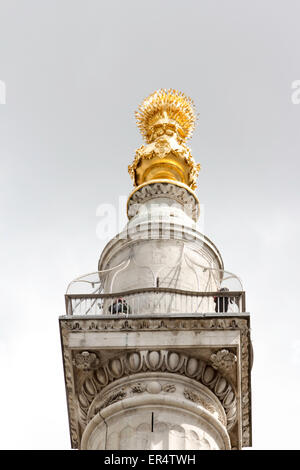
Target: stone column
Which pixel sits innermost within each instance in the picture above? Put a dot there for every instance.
(171, 370)
(156, 411)
(161, 247)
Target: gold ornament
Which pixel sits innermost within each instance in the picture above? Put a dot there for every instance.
(166, 120)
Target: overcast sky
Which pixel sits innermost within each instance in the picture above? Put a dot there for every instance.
(75, 71)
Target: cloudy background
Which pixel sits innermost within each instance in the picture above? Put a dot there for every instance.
(75, 71)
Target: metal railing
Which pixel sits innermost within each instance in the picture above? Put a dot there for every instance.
(155, 301)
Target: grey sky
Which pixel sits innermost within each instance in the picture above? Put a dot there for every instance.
(75, 71)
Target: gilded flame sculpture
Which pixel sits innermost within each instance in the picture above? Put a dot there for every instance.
(166, 120)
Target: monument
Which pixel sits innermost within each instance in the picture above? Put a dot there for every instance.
(156, 343)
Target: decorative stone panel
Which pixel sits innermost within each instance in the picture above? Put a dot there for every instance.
(100, 352)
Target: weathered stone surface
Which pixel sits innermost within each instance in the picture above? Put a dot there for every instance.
(147, 359)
